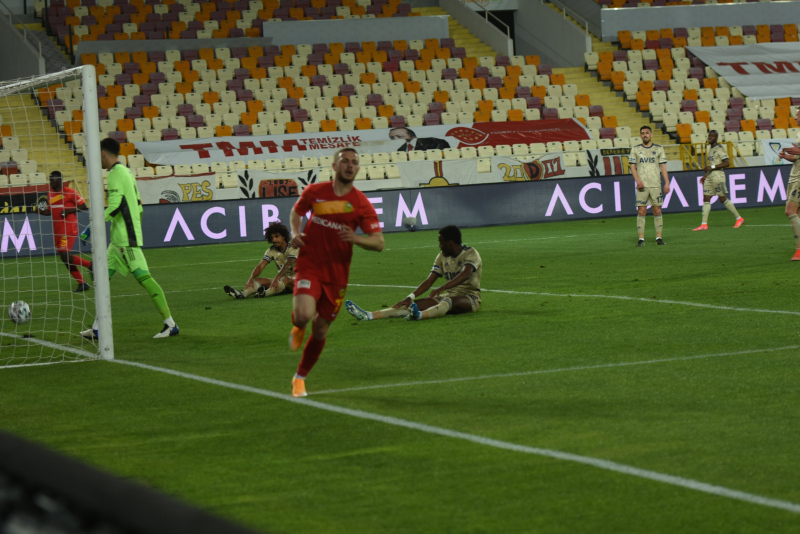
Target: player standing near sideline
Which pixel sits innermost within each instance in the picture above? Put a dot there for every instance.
(124, 250)
(714, 181)
(649, 165)
(461, 267)
(63, 204)
(326, 248)
(792, 154)
(284, 257)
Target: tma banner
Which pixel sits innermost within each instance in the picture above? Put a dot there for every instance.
(199, 223)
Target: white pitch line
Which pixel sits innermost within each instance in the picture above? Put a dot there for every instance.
(73, 350)
(682, 482)
(557, 370)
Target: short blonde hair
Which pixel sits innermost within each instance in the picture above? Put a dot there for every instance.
(346, 149)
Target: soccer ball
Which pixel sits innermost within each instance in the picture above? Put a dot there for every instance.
(19, 312)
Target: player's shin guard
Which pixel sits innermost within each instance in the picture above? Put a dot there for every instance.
(156, 294)
(731, 208)
(390, 312)
(659, 224)
(439, 310)
(640, 223)
(250, 290)
(707, 210)
(270, 292)
(311, 354)
(794, 221)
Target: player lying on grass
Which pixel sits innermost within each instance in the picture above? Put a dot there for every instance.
(282, 255)
(459, 264)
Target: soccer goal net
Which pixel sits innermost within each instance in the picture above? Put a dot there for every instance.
(53, 232)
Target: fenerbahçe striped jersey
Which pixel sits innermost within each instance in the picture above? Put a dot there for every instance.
(324, 253)
(716, 155)
(648, 162)
(452, 267)
(794, 174)
(124, 208)
(280, 257)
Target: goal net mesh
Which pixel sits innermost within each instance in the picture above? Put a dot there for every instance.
(41, 126)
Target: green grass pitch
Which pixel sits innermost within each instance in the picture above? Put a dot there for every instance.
(677, 361)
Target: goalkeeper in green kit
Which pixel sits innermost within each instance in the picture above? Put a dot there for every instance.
(124, 250)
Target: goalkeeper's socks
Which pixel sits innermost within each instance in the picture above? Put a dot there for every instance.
(76, 274)
(156, 293)
(169, 322)
(310, 355)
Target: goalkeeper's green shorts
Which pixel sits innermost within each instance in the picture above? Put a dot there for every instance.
(126, 260)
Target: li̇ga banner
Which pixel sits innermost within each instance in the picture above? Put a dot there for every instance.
(759, 71)
(243, 148)
(267, 184)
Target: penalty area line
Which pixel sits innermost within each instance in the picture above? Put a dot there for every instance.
(557, 370)
(607, 465)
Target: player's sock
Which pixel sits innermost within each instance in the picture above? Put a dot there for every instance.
(270, 292)
(388, 312)
(156, 294)
(795, 222)
(77, 260)
(311, 354)
(439, 310)
(731, 208)
(250, 290)
(659, 224)
(76, 274)
(169, 321)
(640, 224)
(706, 211)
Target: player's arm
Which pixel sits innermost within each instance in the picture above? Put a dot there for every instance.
(296, 221)
(373, 241)
(635, 173)
(421, 290)
(460, 279)
(42, 211)
(665, 176)
(793, 150)
(115, 196)
(256, 272)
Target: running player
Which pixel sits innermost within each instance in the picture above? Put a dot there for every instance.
(326, 248)
(649, 165)
(714, 181)
(792, 154)
(124, 250)
(460, 266)
(284, 258)
(63, 203)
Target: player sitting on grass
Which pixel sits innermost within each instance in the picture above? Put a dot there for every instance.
(459, 264)
(284, 257)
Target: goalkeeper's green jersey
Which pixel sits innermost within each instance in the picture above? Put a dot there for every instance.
(124, 208)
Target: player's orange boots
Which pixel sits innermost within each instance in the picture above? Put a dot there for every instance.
(703, 226)
(796, 256)
(299, 387)
(739, 222)
(296, 338)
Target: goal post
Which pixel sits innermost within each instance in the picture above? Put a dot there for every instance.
(45, 123)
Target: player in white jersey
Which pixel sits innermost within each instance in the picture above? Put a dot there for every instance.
(459, 265)
(282, 255)
(714, 181)
(792, 154)
(648, 164)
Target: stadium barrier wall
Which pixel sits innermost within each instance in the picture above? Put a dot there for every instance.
(228, 221)
(90, 497)
(540, 30)
(655, 18)
(378, 29)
